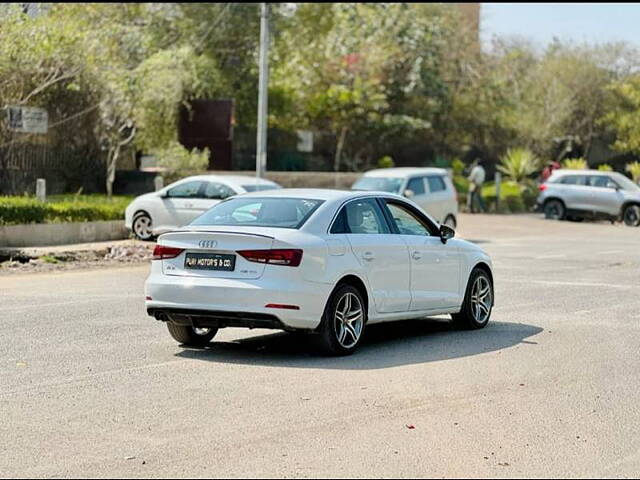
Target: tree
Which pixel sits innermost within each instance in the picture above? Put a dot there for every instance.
(350, 69)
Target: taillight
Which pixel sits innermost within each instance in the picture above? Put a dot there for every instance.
(291, 257)
(542, 187)
(163, 253)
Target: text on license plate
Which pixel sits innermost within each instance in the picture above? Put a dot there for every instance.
(210, 261)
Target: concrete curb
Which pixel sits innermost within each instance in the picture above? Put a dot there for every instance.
(47, 234)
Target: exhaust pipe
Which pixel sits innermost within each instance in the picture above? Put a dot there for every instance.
(161, 316)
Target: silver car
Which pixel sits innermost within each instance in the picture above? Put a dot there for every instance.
(431, 188)
(579, 194)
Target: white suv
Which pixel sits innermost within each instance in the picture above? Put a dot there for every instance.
(431, 188)
(579, 194)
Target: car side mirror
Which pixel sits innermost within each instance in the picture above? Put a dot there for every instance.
(408, 193)
(446, 233)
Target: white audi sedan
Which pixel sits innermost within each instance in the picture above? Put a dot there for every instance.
(319, 261)
(179, 203)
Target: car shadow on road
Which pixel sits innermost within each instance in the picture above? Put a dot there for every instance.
(383, 346)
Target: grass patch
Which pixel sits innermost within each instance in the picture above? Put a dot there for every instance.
(62, 209)
(49, 259)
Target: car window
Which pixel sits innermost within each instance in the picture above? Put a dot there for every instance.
(406, 221)
(378, 184)
(601, 181)
(574, 180)
(185, 190)
(215, 190)
(416, 185)
(436, 184)
(260, 212)
(364, 217)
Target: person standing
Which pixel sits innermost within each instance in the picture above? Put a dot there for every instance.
(549, 169)
(476, 179)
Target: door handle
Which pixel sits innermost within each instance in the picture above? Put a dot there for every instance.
(188, 205)
(368, 256)
(416, 255)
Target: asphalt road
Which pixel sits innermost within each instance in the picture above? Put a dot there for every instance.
(91, 386)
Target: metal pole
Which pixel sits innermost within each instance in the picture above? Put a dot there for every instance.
(263, 100)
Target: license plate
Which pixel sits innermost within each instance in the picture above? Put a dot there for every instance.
(210, 261)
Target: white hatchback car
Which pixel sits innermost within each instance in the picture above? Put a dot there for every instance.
(179, 203)
(322, 261)
(431, 188)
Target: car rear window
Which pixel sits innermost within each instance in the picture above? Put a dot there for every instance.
(260, 212)
(259, 188)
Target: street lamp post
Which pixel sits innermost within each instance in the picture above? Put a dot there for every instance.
(263, 93)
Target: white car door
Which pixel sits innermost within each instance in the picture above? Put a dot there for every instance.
(384, 257)
(435, 266)
(180, 204)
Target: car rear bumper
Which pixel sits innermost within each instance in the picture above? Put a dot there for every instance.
(236, 303)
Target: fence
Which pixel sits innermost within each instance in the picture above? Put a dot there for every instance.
(65, 168)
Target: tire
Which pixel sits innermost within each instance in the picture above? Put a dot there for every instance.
(197, 337)
(631, 215)
(473, 317)
(336, 338)
(554, 209)
(450, 221)
(141, 226)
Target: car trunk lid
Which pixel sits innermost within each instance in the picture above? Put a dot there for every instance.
(204, 250)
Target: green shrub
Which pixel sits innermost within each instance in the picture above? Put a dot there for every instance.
(386, 162)
(575, 164)
(61, 209)
(179, 162)
(605, 167)
(458, 166)
(634, 170)
(518, 164)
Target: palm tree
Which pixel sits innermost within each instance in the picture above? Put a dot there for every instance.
(634, 170)
(575, 164)
(518, 164)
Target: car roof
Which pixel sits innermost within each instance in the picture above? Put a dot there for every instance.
(317, 193)
(238, 179)
(404, 171)
(568, 171)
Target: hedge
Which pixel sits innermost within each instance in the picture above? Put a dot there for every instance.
(513, 199)
(61, 209)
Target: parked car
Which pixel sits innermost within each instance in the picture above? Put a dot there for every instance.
(317, 261)
(580, 194)
(431, 188)
(179, 203)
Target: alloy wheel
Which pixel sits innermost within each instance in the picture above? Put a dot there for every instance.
(481, 299)
(201, 331)
(553, 210)
(348, 320)
(632, 216)
(142, 227)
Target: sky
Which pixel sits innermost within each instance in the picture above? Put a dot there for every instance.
(580, 22)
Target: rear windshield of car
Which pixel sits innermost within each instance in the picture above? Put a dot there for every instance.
(260, 212)
(259, 188)
(379, 184)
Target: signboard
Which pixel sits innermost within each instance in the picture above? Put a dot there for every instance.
(27, 119)
(305, 141)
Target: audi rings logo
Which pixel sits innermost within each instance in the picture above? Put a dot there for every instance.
(207, 243)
